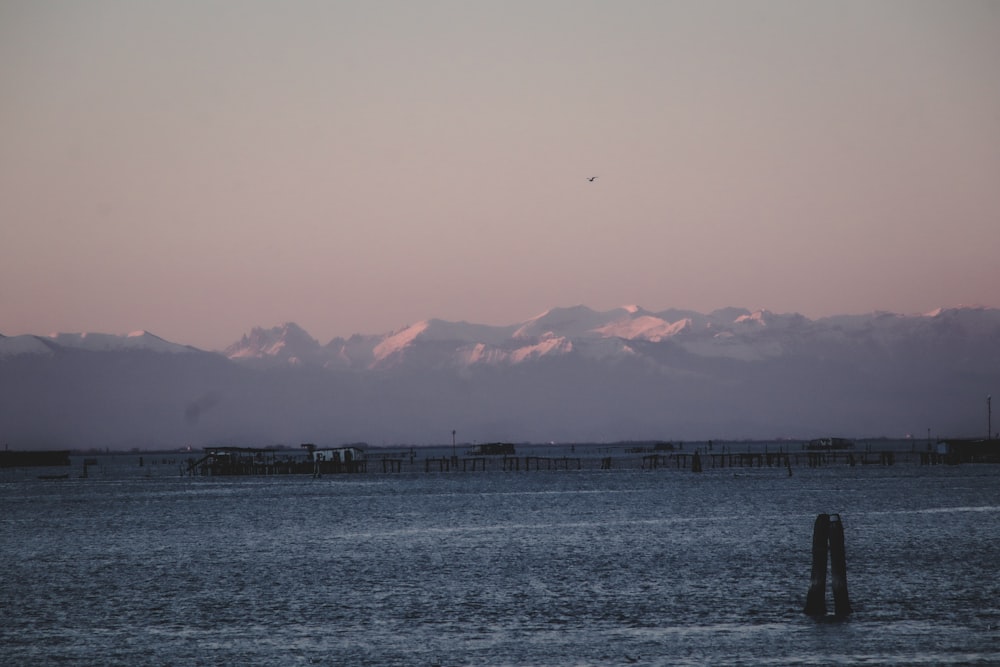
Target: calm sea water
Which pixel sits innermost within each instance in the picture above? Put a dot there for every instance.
(560, 568)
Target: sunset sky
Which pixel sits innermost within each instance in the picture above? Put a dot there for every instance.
(197, 168)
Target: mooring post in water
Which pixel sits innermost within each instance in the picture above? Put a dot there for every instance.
(816, 598)
(696, 463)
(838, 567)
(828, 538)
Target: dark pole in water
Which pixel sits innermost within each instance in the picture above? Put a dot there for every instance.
(838, 567)
(816, 598)
(828, 537)
(989, 418)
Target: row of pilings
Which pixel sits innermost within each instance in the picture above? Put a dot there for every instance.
(696, 461)
(271, 462)
(241, 461)
(482, 463)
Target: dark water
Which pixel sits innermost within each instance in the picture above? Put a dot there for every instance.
(562, 568)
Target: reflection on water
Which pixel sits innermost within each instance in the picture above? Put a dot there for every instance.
(559, 568)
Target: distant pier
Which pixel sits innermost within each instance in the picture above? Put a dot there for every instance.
(503, 458)
(700, 457)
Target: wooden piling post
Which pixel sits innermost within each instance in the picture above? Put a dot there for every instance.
(816, 598)
(828, 538)
(696, 463)
(838, 567)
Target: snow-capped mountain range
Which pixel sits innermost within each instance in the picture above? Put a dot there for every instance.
(566, 374)
(734, 333)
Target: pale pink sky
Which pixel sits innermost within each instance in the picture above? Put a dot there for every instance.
(198, 168)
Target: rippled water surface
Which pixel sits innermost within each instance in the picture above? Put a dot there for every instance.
(592, 567)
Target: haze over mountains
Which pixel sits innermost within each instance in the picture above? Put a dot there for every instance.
(569, 374)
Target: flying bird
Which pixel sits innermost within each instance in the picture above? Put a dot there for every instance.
(591, 179)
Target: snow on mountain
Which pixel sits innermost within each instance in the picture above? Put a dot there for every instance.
(102, 342)
(756, 318)
(479, 353)
(570, 373)
(574, 322)
(450, 340)
(751, 336)
(556, 332)
(465, 332)
(728, 333)
(396, 343)
(545, 346)
(760, 319)
(724, 317)
(517, 351)
(288, 344)
(645, 327)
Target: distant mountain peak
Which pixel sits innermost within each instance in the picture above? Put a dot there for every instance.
(574, 321)
(645, 327)
(103, 342)
(287, 342)
(396, 342)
